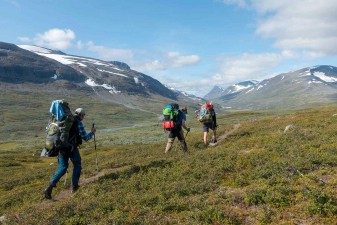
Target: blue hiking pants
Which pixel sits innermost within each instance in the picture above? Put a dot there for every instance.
(63, 162)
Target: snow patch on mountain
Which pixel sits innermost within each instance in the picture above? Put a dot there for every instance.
(237, 88)
(324, 77)
(36, 49)
(118, 74)
(111, 89)
(66, 59)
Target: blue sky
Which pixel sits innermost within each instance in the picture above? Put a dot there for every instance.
(191, 45)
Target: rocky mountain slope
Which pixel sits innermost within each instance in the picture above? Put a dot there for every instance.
(231, 91)
(33, 64)
(18, 65)
(115, 77)
(301, 88)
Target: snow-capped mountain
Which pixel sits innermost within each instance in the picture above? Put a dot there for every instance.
(18, 66)
(231, 91)
(115, 77)
(295, 89)
(185, 96)
(26, 63)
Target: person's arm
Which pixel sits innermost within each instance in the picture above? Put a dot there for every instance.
(184, 123)
(83, 133)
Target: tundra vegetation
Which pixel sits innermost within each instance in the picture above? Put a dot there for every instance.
(257, 174)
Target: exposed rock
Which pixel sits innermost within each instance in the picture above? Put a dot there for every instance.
(288, 128)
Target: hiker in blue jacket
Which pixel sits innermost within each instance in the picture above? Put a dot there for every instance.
(76, 134)
(177, 131)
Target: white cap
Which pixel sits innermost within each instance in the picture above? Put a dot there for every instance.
(79, 111)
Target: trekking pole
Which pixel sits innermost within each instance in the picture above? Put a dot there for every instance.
(65, 179)
(93, 126)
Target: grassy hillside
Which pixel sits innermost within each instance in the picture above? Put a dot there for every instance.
(257, 174)
(24, 113)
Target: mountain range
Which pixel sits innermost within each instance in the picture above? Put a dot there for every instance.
(295, 89)
(41, 69)
(38, 68)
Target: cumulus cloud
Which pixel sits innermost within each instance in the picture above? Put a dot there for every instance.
(198, 87)
(154, 65)
(55, 39)
(178, 60)
(312, 28)
(109, 54)
(234, 69)
(306, 26)
(166, 61)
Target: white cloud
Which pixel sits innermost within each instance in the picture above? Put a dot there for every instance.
(305, 25)
(109, 54)
(166, 61)
(55, 39)
(198, 87)
(154, 65)
(178, 60)
(246, 67)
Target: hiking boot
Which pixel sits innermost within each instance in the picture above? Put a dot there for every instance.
(73, 189)
(48, 191)
(183, 145)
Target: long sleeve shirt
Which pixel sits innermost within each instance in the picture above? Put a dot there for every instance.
(85, 136)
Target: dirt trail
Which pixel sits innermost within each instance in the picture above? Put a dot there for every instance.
(226, 134)
(65, 193)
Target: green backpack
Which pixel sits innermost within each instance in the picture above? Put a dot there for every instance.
(170, 113)
(57, 132)
(206, 114)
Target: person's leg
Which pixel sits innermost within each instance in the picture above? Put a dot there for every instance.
(169, 144)
(170, 141)
(62, 169)
(62, 160)
(205, 138)
(215, 140)
(181, 138)
(206, 129)
(76, 160)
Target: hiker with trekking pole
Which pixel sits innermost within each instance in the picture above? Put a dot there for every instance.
(76, 134)
(179, 122)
